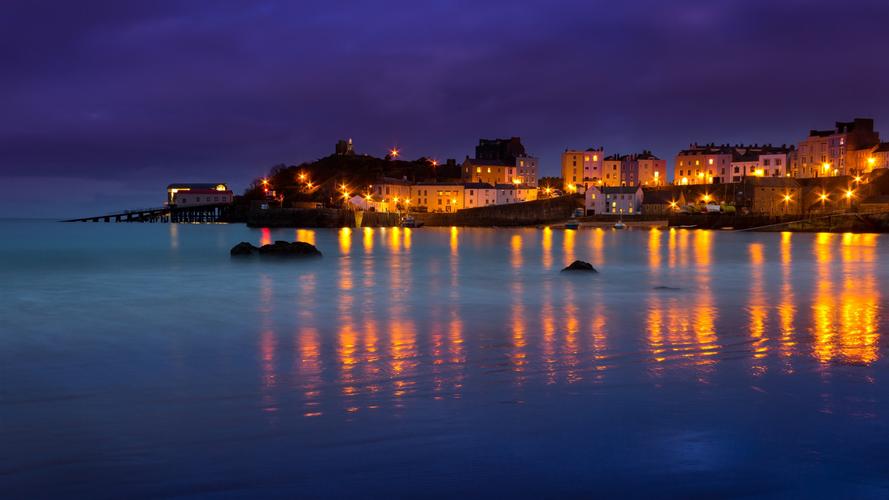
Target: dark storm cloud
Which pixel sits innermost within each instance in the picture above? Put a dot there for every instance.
(147, 92)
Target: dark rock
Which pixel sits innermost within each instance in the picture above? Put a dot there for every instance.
(243, 248)
(579, 265)
(290, 249)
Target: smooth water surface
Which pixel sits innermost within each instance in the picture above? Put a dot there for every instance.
(140, 360)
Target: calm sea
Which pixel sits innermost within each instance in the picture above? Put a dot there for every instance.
(140, 360)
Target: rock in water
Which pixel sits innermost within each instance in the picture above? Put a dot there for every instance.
(288, 249)
(579, 265)
(277, 249)
(243, 248)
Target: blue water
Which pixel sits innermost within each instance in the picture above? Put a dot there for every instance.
(141, 361)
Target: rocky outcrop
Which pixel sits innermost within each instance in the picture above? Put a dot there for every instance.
(243, 248)
(580, 266)
(276, 249)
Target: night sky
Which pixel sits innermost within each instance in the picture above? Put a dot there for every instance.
(103, 103)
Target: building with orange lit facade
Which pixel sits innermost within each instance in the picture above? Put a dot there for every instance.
(727, 163)
(610, 171)
(393, 191)
(842, 150)
(438, 197)
(873, 158)
(581, 168)
(488, 171)
(500, 161)
(702, 164)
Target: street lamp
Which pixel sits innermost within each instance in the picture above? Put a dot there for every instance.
(394, 152)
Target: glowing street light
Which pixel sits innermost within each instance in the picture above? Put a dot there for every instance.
(302, 176)
(825, 167)
(394, 152)
(871, 161)
(674, 205)
(850, 193)
(434, 163)
(707, 198)
(787, 198)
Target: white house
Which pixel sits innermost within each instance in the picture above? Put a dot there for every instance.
(626, 200)
(479, 194)
(199, 197)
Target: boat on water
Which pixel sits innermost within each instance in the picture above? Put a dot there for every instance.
(572, 224)
(409, 221)
(619, 225)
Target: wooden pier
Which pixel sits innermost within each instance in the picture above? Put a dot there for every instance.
(190, 214)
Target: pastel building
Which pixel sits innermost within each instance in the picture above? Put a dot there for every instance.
(581, 168)
(726, 163)
(643, 169)
(611, 171)
(842, 150)
(702, 164)
(613, 200)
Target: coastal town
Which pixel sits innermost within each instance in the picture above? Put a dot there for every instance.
(829, 174)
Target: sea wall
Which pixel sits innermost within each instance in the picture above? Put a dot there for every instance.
(840, 223)
(318, 217)
(529, 213)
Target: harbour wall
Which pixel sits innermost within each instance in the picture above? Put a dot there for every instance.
(318, 217)
(529, 213)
